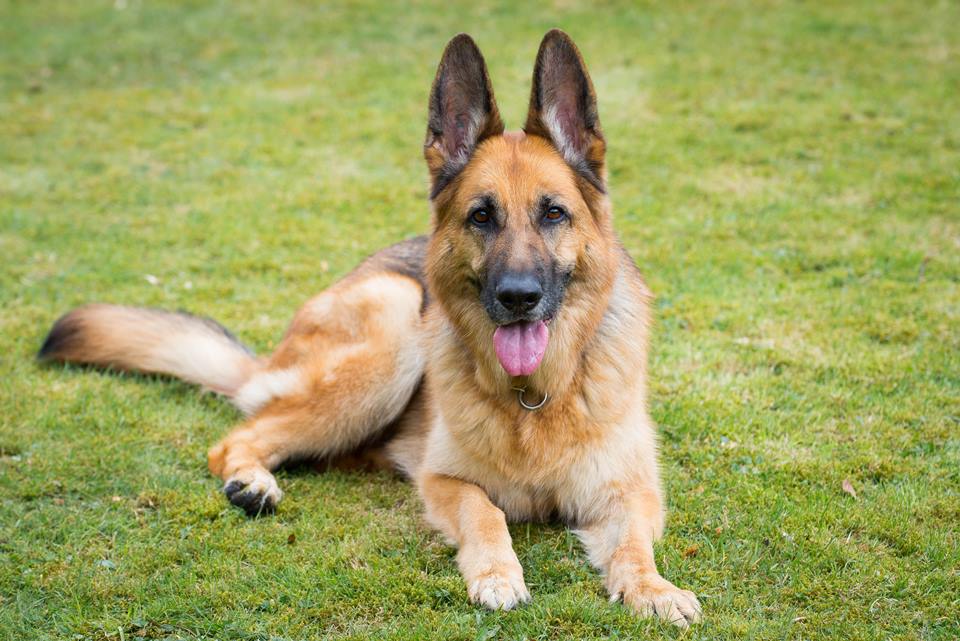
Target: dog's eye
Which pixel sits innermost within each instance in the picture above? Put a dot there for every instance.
(555, 214)
(480, 217)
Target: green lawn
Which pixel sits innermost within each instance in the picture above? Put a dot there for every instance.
(786, 174)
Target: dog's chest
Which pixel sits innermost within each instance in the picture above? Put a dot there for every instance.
(531, 473)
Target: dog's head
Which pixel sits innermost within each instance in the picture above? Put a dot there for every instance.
(521, 219)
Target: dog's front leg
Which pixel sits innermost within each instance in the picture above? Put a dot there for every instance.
(463, 512)
(620, 544)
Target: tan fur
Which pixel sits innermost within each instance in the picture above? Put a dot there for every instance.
(150, 340)
(357, 368)
(385, 369)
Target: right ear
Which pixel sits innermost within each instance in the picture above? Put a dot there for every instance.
(563, 107)
(462, 112)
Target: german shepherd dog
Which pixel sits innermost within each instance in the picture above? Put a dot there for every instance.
(499, 363)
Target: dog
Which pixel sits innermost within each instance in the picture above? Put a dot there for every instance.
(499, 363)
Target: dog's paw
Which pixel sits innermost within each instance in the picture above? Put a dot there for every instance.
(651, 594)
(255, 491)
(501, 588)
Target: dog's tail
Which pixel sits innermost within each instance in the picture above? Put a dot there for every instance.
(135, 339)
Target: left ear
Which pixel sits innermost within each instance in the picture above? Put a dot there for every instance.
(463, 112)
(563, 107)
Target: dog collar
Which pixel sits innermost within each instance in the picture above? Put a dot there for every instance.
(530, 408)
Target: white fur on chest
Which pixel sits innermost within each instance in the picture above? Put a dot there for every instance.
(576, 488)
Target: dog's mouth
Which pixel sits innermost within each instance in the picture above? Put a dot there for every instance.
(520, 346)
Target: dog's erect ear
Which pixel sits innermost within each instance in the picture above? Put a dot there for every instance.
(463, 111)
(563, 107)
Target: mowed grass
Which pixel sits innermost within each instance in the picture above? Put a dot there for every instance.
(786, 174)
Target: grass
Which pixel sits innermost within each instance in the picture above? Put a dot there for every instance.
(786, 174)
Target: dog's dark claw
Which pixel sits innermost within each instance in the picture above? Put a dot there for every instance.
(232, 488)
(253, 503)
(259, 497)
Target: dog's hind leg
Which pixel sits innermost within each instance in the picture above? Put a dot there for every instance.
(346, 369)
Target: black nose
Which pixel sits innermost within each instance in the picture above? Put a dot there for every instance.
(519, 292)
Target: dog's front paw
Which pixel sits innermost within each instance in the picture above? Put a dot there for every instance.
(650, 594)
(501, 588)
(494, 576)
(255, 491)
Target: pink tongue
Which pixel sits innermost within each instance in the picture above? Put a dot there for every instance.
(520, 346)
